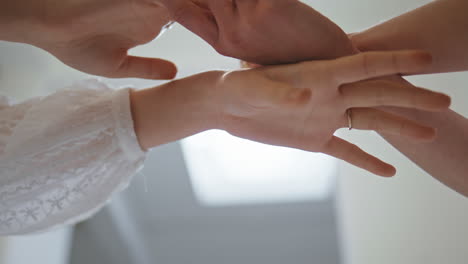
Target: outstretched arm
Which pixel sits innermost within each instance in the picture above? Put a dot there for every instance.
(299, 105)
(440, 27)
(446, 157)
(63, 155)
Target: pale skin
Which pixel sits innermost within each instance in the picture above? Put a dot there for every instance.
(90, 36)
(266, 32)
(252, 104)
(441, 28)
(298, 105)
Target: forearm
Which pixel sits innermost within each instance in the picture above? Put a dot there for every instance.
(440, 27)
(174, 110)
(446, 157)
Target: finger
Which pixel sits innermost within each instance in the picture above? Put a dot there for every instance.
(352, 154)
(383, 122)
(387, 93)
(369, 65)
(195, 17)
(146, 68)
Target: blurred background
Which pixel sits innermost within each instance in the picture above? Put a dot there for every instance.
(213, 198)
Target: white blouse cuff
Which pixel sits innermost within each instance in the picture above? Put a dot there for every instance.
(124, 124)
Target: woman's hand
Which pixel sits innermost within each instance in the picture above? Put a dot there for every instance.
(298, 106)
(93, 36)
(302, 105)
(262, 31)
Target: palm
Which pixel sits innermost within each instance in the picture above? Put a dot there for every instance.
(95, 36)
(263, 31)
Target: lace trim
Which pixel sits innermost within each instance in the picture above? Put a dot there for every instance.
(71, 177)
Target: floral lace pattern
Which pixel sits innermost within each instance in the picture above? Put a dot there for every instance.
(63, 156)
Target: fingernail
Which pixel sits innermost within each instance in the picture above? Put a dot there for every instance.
(166, 73)
(388, 172)
(441, 102)
(391, 172)
(446, 102)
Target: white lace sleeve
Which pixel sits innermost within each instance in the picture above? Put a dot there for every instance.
(63, 156)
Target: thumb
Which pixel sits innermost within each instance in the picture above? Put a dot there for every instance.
(196, 17)
(146, 68)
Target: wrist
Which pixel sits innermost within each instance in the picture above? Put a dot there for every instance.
(175, 110)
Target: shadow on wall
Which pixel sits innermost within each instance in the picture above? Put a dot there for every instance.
(171, 227)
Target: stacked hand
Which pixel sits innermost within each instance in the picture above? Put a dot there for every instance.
(94, 36)
(262, 31)
(302, 105)
(296, 105)
(273, 32)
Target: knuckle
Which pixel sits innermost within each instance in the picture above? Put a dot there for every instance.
(404, 125)
(394, 62)
(374, 121)
(364, 62)
(382, 96)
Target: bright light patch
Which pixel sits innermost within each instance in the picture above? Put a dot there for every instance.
(226, 170)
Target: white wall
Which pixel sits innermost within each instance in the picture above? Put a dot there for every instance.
(411, 218)
(171, 227)
(51, 248)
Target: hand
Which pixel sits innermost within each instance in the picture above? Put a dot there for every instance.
(262, 31)
(94, 36)
(302, 105)
(298, 106)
